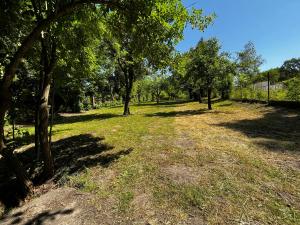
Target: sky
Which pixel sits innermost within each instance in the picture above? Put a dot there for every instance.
(272, 25)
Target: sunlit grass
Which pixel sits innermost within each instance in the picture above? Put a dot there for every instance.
(237, 164)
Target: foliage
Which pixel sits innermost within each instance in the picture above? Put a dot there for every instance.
(263, 76)
(290, 69)
(248, 62)
(293, 89)
(208, 68)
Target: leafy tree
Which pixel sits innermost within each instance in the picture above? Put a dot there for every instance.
(22, 40)
(273, 73)
(248, 62)
(208, 64)
(147, 37)
(290, 69)
(158, 85)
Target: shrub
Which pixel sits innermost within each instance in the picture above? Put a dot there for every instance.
(293, 89)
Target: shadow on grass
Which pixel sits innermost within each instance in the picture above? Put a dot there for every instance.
(178, 113)
(278, 130)
(71, 155)
(83, 118)
(164, 104)
(39, 219)
(186, 113)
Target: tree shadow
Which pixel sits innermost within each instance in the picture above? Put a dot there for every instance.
(71, 155)
(177, 113)
(163, 104)
(76, 118)
(186, 113)
(278, 130)
(39, 219)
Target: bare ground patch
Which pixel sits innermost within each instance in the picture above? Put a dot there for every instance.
(181, 174)
(59, 206)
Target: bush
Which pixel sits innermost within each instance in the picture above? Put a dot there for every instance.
(293, 89)
(278, 95)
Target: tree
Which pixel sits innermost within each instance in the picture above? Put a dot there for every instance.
(290, 69)
(148, 36)
(274, 74)
(158, 84)
(248, 62)
(207, 64)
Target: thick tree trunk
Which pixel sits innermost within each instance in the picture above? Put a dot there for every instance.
(209, 98)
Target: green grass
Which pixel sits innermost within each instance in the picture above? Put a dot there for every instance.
(236, 164)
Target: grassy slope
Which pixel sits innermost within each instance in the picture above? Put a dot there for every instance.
(182, 164)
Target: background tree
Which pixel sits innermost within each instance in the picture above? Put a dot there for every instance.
(290, 69)
(207, 65)
(158, 85)
(148, 36)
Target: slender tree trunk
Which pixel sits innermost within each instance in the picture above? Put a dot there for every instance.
(209, 98)
(139, 98)
(48, 68)
(13, 128)
(200, 96)
(43, 128)
(157, 97)
(36, 127)
(129, 77)
(52, 115)
(92, 99)
(5, 99)
(190, 93)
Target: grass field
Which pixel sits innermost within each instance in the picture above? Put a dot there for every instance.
(177, 163)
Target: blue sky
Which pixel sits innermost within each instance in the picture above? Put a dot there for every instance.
(272, 25)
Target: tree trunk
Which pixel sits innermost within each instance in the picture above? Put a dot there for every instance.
(43, 127)
(200, 96)
(92, 99)
(36, 127)
(48, 53)
(52, 115)
(139, 98)
(209, 98)
(129, 77)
